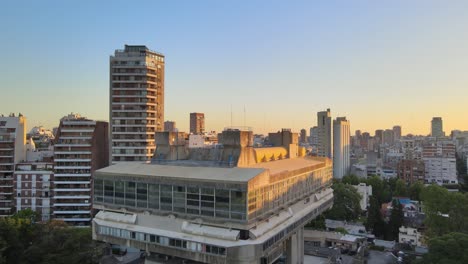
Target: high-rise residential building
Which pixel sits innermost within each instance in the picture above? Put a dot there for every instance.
(397, 132)
(325, 139)
(440, 162)
(365, 140)
(12, 151)
(197, 123)
(238, 205)
(313, 139)
(437, 127)
(388, 137)
(410, 170)
(136, 102)
(170, 126)
(303, 136)
(81, 147)
(341, 147)
(32, 188)
(378, 139)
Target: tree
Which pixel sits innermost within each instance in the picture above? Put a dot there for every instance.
(449, 248)
(401, 189)
(351, 179)
(375, 220)
(396, 220)
(415, 190)
(346, 203)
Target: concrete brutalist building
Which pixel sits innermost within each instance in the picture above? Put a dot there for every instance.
(228, 204)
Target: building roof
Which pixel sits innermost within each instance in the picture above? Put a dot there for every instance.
(210, 173)
(183, 172)
(287, 164)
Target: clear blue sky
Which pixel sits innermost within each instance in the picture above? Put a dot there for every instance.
(380, 64)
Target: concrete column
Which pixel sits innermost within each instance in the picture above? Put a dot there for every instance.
(295, 247)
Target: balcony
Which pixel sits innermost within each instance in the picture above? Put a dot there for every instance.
(72, 168)
(71, 204)
(71, 212)
(57, 197)
(72, 175)
(72, 190)
(72, 160)
(77, 130)
(71, 182)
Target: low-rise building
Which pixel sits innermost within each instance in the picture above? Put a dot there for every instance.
(32, 188)
(365, 191)
(409, 235)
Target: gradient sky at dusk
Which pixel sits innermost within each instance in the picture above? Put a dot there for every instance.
(378, 63)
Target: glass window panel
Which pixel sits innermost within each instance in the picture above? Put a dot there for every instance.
(109, 191)
(207, 198)
(142, 195)
(193, 196)
(207, 213)
(119, 192)
(222, 214)
(193, 190)
(207, 191)
(153, 196)
(130, 193)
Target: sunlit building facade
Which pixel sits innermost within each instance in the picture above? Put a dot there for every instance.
(136, 102)
(12, 151)
(239, 207)
(81, 147)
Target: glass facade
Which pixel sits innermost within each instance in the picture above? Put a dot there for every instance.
(286, 189)
(184, 199)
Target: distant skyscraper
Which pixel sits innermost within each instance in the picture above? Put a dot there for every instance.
(378, 136)
(136, 102)
(341, 147)
(397, 132)
(314, 135)
(12, 151)
(170, 126)
(388, 137)
(197, 123)
(325, 140)
(437, 127)
(303, 135)
(81, 147)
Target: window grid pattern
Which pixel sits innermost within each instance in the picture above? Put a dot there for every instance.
(209, 202)
(161, 240)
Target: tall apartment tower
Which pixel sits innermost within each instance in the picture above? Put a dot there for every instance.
(341, 147)
(12, 151)
(197, 123)
(397, 132)
(170, 126)
(81, 147)
(437, 127)
(325, 140)
(136, 102)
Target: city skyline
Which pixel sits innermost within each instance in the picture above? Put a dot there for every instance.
(379, 64)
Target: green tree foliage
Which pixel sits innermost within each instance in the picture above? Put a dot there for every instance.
(450, 248)
(401, 190)
(54, 242)
(346, 203)
(396, 221)
(414, 191)
(341, 230)
(318, 223)
(375, 221)
(351, 179)
(445, 211)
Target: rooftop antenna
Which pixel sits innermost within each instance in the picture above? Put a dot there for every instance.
(244, 115)
(231, 115)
